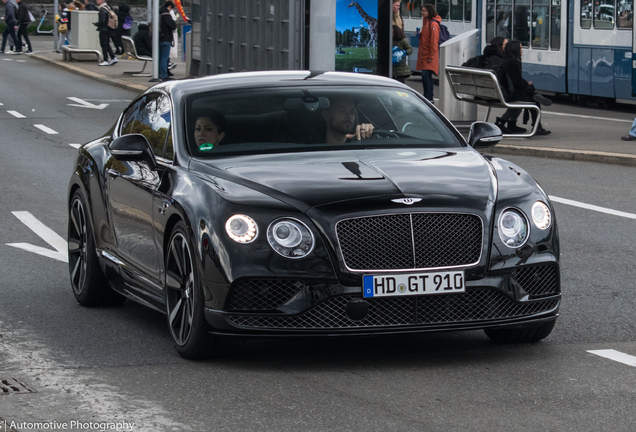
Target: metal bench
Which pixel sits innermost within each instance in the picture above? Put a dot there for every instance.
(68, 51)
(480, 86)
(129, 48)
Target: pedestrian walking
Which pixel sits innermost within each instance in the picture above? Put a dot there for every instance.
(63, 27)
(123, 20)
(174, 49)
(428, 53)
(166, 38)
(106, 25)
(401, 71)
(11, 27)
(631, 136)
(24, 20)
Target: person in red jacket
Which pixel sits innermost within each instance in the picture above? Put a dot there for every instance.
(428, 53)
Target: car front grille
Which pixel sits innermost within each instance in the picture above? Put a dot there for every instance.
(262, 294)
(471, 306)
(538, 280)
(410, 241)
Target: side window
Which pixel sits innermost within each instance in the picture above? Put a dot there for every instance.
(442, 9)
(169, 148)
(586, 14)
(457, 10)
(555, 38)
(604, 14)
(625, 15)
(129, 117)
(541, 27)
(468, 10)
(153, 121)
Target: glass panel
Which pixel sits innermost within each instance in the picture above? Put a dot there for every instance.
(468, 10)
(541, 24)
(555, 26)
(442, 9)
(504, 19)
(490, 20)
(169, 147)
(154, 121)
(129, 117)
(417, 9)
(604, 14)
(586, 14)
(625, 14)
(457, 10)
(521, 30)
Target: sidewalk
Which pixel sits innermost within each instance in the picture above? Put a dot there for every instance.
(562, 144)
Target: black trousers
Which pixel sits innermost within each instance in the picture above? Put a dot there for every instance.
(22, 31)
(104, 42)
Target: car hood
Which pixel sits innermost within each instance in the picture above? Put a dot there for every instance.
(458, 177)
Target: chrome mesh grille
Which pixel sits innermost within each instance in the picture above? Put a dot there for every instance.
(410, 241)
(262, 294)
(538, 280)
(470, 306)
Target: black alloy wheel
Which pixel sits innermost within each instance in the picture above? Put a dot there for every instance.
(184, 299)
(87, 279)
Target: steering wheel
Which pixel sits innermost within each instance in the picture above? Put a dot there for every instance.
(383, 133)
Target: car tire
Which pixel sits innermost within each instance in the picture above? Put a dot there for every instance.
(184, 299)
(87, 278)
(522, 335)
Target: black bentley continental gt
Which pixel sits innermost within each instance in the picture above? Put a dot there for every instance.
(297, 203)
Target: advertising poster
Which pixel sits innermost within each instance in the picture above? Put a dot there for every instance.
(357, 36)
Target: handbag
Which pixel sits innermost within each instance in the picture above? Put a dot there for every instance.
(398, 56)
(62, 28)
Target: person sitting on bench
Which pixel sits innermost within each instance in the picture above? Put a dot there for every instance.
(143, 41)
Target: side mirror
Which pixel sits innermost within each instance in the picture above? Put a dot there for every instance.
(133, 147)
(483, 135)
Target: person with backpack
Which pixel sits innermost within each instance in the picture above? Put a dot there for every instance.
(106, 25)
(124, 21)
(428, 53)
(401, 70)
(10, 28)
(516, 88)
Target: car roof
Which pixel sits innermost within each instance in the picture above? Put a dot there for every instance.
(287, 78)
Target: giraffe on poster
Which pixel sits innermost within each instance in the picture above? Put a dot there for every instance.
(373, 28)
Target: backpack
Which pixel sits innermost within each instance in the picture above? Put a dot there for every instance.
(113, 21)
(127, 22)
(444, 35)
(478, 62)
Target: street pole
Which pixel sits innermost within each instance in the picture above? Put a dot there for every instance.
(54, 26)
(156, 26)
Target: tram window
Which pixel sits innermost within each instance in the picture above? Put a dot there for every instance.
(490, 20)
(625, 14)
(604, 14)
(442, 9)
(540, 24)
(521, 30)
(456, 10)
(468, 10)
(504, 19)
(586, 14)
(555, 33)
(417, 8)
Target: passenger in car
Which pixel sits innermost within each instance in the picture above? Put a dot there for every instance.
(340, 120)
(209, 129)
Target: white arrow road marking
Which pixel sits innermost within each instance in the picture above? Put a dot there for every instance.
(43, 128)
(593, 207)
(75, 145)
(84, 104)
(618, 356)
(16, 114)
(47, 234)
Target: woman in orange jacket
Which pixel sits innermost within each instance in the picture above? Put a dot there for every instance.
(428, 53)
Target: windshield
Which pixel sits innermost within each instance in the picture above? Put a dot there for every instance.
(311, 119)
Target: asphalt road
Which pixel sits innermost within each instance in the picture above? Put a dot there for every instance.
(118, 364)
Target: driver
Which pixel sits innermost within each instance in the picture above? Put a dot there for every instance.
(340, 120)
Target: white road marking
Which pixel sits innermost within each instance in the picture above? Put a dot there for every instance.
(593, 207)
(16, 114)
(21, 61)
(618, 356)
(75, 145)
(8, 59)
(43, 128)
(84, 104)
(46, 233)
(1, 104)
(586, 117)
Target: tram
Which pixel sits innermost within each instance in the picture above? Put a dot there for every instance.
(578, 47)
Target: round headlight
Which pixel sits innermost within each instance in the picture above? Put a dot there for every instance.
(290, 238)
(541, 215)
(241, 228)
(513, 228)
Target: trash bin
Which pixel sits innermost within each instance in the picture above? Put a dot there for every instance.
(454, 52)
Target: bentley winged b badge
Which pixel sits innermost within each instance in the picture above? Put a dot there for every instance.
(407, 201)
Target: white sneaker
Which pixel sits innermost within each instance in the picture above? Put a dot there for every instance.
(10, 52)
(113, 61)
(104, 63)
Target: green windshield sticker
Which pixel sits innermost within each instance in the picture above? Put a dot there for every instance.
(206, 147)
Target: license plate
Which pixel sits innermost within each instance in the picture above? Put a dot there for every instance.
(413, 284)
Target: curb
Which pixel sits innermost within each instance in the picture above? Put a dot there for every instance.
(93, 75)
(576, 155)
